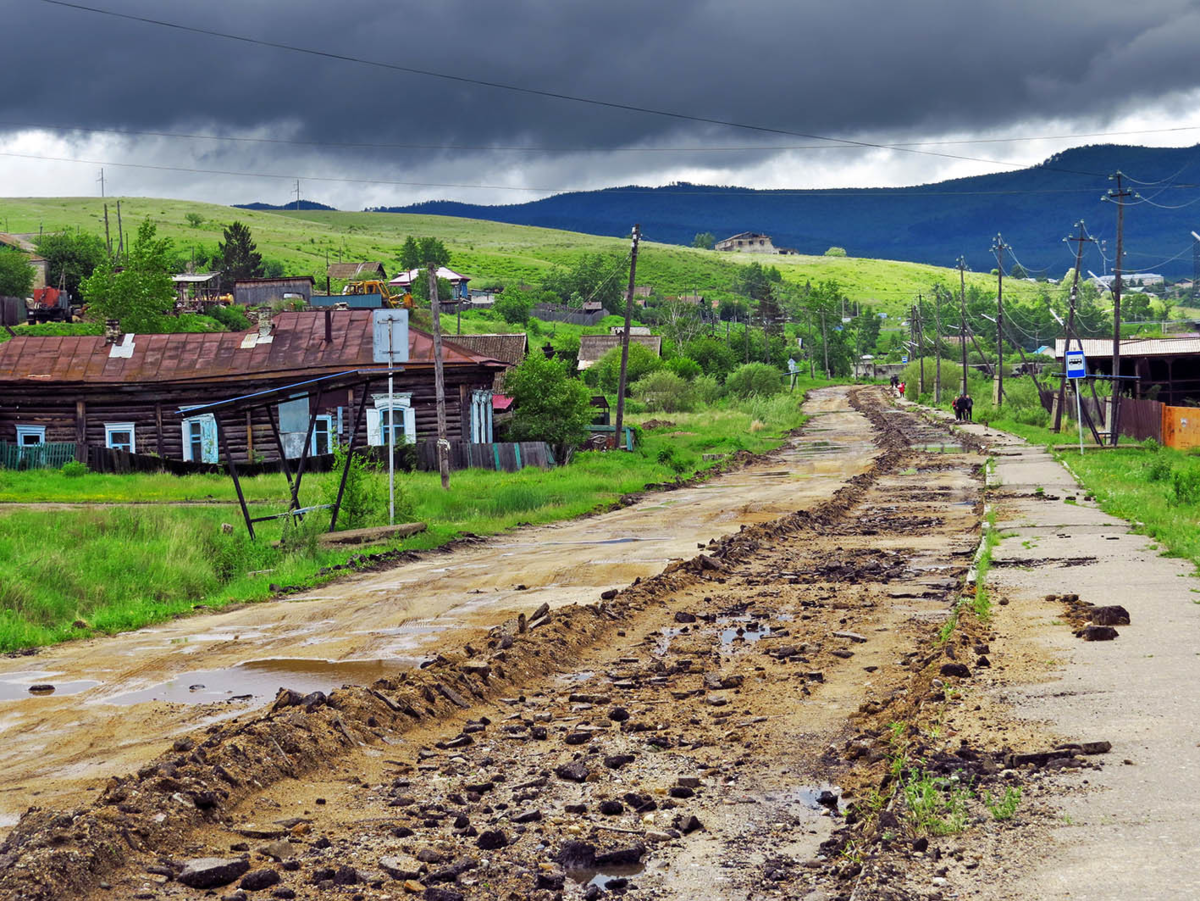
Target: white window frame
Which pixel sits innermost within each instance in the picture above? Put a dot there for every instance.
(330, 434)
(202, 419)
(35, 431)
(401, 403)
(112, 427)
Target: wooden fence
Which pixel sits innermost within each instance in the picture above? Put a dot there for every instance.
(1142, 419)
(38, 456)
(507, 456)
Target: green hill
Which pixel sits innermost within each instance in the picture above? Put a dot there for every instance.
(490, 252)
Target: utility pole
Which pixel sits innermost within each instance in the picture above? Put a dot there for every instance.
(107, 233)
(998, 247)
(439, 381)
(633, 252)
(825, 344)
(101, 180)
(962, 302)
(1079, 240)
(812, 371)
(937, 346)
(296, 191)
(1118, 196)
(120, 235)
(920, 335)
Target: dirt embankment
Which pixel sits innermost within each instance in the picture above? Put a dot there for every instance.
(693, 735)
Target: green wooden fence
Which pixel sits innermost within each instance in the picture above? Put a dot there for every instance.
(51, 455)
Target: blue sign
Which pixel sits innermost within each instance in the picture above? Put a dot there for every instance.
(1076, 364)
(904, 359)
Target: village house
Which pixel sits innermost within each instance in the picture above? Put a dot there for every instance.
(593, 347)
(253, 292)
(1167, 369)
(353, 272)
(124, 391)
(747, 242)
(507, 348)
(458, 281)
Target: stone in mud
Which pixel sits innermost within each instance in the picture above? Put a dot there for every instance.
(689, 824)
(552, 881)
(400, 866)
(41, 689)
(621, 856)
(575, 855)
(681, 791)
(684, 617)
(575, 771)
(616, 761)
(1114, 615)
(608, 595)
(611, 808)
(1097, 633)
(433, 893)
(578, 738)
(257, 880)
(212, 872)
(346, 876)
(959, 670)
(618, 714)
(491, 840)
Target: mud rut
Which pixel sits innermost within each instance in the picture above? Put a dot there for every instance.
(712, 732)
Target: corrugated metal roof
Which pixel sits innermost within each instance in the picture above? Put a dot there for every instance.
(405, 279)
(1132, 347)
(354, 270)
(593, 347)
(509, 348)
(297, 347)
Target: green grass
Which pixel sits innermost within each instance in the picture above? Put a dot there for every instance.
(935, 805)
(115, 568)
(487, 251)
(1003, 808)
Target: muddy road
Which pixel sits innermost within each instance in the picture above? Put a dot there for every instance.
(121, 700)
(645, 718)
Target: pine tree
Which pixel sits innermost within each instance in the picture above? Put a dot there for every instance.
(239, 257)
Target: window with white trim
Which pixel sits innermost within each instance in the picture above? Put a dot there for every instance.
(119, 436)
(31, 435)
(322, 436)
(399, 415)
(200, 439)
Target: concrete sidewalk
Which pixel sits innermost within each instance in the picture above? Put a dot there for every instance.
(1134, 830)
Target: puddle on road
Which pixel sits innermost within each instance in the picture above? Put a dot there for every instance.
(939, 448)
(744, 629)
(602, 877)
(259, 680)
(15, 686)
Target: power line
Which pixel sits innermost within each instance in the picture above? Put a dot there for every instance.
(537, 92)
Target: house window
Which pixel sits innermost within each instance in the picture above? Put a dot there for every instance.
(200, 439)
(322, 437)
(398, 416)
(119, 436)
(31, 435)
(481, 417)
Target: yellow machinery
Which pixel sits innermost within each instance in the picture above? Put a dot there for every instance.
(380, 287)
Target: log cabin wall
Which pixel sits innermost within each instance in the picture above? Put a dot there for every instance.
(71, 413)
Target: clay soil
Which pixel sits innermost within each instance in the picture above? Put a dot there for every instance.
(735, 724)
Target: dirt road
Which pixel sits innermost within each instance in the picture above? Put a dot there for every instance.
(696, 733)
(119, 701)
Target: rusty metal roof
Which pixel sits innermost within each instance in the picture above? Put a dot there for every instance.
(1133, 347)
(297, 348)
(508, 348)
(356, 270)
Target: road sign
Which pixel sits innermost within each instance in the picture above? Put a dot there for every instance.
(904, 359)
(1076, 364)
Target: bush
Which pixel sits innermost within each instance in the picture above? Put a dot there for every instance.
(365, 498)
(684, 367)
(754, 380)
(233, 318)
(664, 392)
(605, 373)
(836, 252)
(73, 469)
(1186, 484)
(1157, 468)
(707, 389)
(513, 306)
(550, 406)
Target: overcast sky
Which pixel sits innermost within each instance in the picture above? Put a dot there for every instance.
(877, 71)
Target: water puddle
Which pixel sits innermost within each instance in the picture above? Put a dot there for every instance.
(609, 541)
(8, 820)
(741, 630)
(16, 686)
(574, 678)
(258, 681)
(664, 639)
(602, 878)
(939, 448)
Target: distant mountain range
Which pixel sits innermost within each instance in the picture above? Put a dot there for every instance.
(1033, 208)
(303, 205)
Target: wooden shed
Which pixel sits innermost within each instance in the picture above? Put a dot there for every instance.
(122, 391)
(253, 292)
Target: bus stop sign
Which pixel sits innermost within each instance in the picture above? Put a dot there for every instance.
(1076, 364)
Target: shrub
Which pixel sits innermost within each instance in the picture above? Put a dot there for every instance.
(513, 306)
(706, 388)
(684, 367)
(836, 252)
(550, 406)
(73, 469)
(664, 392)
(754, 379)
(1186, 484)
(365, 498)
(605, 373)
(233, 318)
(1157, 468)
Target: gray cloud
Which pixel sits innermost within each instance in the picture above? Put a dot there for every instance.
(865, 69)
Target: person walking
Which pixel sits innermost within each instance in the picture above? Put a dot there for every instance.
(957, 407)
(970, 407)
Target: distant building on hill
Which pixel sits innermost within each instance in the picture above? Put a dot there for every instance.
(748, 242)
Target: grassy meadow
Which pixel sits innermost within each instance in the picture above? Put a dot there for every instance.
(73, 571)
(490, 252)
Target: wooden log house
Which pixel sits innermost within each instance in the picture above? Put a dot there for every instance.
(125, 391)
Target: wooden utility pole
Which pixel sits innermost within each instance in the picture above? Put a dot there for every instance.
(937, 346)
(962, 302)
(101, 180)
(107, 233)
(998, 247)
(1079, 240)
(825, 344)
(439, 380)
(919, 327)
(1118, 196)
(120, 235)
(633, 252)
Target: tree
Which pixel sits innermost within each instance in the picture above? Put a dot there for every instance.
(142, 294)
(593, 276)
(1017, 271)
(16, 275)
(513, 306)
(704, 240)
(752, 281)
(754, 379)
(680, 320)
(836, 252)
(195, 220)
(549, 405)
(410, 254)
(70, 257)
(239, 257)
(715, 357)
(420, 288)
(664, 392)
(605, 373)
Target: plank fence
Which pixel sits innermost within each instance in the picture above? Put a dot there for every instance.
(38, 456)
(500, 456)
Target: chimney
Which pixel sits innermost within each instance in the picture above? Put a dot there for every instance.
(341, 305)
(328, 326)
(112, 332)
(264, 323)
